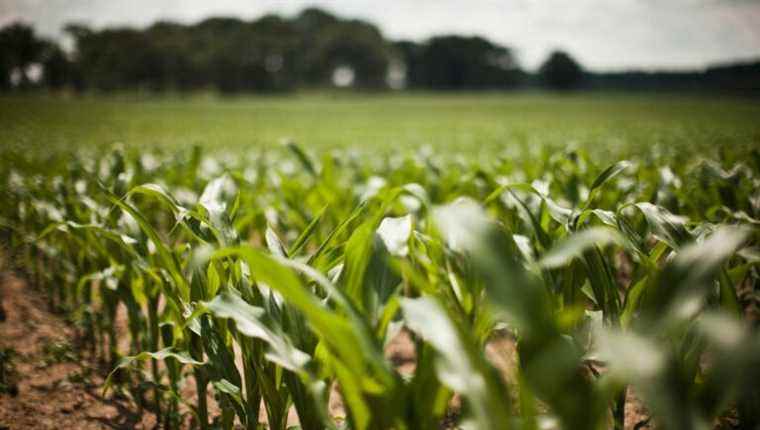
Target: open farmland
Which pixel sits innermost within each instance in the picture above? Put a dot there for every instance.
(417, 261)
(458, 124)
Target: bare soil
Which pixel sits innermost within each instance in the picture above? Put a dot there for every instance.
(57, 385)
(52, 384)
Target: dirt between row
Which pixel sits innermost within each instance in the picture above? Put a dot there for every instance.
(53, 385)
(58, 385)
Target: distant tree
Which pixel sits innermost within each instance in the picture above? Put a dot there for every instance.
(561, 72)
(57, 69)
(19, 49)
(312, 20)
(233, 55)
(736, 77)
(457, 62)
(741, 76)
(5, 70)
(238, 56)
(314, 48)
(329, 43)
(410, 55)
(117, 58)
(172, 49)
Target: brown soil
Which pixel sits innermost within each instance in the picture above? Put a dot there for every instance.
(59, 386)
(66, 392)
(56, 386)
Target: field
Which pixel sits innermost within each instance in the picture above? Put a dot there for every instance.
(613, 125)
(374, 261)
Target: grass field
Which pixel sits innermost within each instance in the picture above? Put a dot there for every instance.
(614, 125)
(435, 261)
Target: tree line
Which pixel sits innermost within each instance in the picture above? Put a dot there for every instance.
(311, 49)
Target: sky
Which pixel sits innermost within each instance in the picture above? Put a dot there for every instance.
(601, 34)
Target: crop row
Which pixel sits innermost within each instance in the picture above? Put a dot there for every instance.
(276, 281)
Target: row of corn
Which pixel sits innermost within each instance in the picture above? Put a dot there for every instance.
(245, 290)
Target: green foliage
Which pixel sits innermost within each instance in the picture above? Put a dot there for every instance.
(271, 278)
(561, 72)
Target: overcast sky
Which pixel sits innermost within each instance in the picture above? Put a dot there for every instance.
(602, 34)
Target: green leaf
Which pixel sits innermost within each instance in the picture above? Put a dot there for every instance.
(252, 322)
(576, 244)
(668, 227)
(672, 295)
(608, 174)
(180, 356)
(459, 365)
(168, 259)
(301, 156)
(307, 233)
(355, 356)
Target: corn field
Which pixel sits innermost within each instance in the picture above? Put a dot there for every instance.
(270, 283)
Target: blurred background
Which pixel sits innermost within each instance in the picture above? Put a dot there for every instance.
(231, 47)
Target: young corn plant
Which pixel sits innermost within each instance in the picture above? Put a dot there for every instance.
(272, 283)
